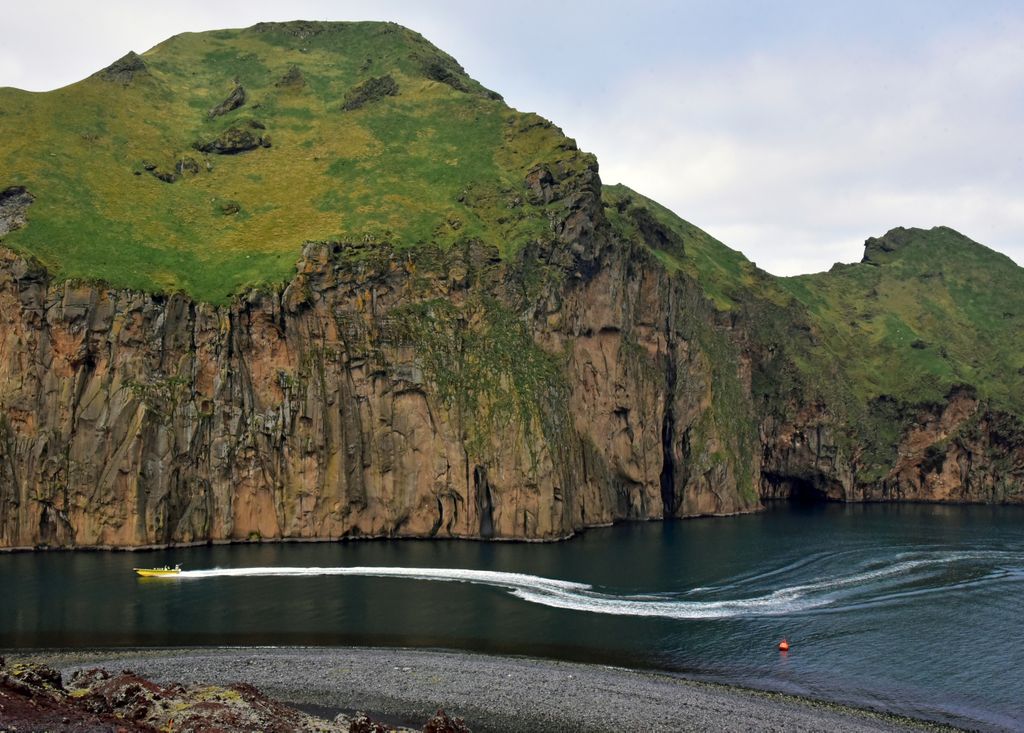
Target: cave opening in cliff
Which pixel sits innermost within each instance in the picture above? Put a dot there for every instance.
(796, 489)
(806, 492)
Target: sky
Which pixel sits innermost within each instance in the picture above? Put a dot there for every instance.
(791, 131)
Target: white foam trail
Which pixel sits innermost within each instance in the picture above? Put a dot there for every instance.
(570, 595)
(536, 589)
(457, 575)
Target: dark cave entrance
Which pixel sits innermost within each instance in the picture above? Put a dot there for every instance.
(797, 489)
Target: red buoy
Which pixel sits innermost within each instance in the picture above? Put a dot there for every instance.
(783, 646)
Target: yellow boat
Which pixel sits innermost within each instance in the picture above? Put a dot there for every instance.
(163, 572)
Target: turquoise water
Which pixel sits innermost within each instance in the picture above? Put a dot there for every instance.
(913, 609)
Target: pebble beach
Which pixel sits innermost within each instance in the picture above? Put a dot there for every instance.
(492, 693)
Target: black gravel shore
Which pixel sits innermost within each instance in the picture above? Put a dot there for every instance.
(492, 693)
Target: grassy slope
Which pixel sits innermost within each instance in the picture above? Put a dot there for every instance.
(725, 274)
(438, 162)
(937, 310)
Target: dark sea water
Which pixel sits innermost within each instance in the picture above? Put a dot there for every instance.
(913, 609)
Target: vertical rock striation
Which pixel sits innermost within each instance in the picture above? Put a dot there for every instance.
(437, 393)
(380, 393)
(959, 451)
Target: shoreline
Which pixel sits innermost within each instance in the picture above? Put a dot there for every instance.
(492, 692)
(18, 549)
(765, 505)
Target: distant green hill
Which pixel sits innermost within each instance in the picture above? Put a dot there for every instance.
(203, 164)
(924, 311)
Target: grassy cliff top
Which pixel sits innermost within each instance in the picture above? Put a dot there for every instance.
(203, 164)
(725, 274)
(923, 312)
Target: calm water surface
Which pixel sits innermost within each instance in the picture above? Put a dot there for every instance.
(914, 609)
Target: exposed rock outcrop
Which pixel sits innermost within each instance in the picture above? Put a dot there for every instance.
(236, 139)
(371, 90)
(187, 165)
(34, 697)
(125, 70)
(14, 202)
(292, 79)
(877, 250)
(444, 69)
(233, 101)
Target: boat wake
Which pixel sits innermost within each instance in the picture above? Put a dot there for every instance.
(873, 582)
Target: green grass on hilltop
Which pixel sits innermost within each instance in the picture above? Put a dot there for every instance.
(724, 273)
(939, 310)
(441, 161)
(931, 310)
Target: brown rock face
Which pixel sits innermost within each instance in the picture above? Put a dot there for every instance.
(444, 394)
(958, 452)
(448, 394)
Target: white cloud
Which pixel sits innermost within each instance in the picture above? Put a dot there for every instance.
(801, 151)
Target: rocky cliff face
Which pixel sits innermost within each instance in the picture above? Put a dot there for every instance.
(610, 361)
(448, 394)
(961, 451)
(379, 394)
